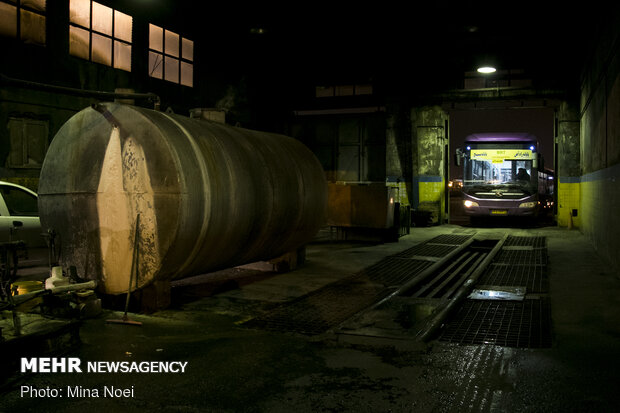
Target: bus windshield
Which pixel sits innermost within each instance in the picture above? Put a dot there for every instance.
(491, 168)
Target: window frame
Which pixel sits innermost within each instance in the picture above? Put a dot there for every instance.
(163, 55)
(22, 123)
(112, 38)
(19, 9)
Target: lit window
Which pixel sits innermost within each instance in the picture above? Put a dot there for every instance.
(171, 57)
(343, 90)
(23, 19)
(100, 34)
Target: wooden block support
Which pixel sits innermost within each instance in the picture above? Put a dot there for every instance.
(156, 296)
(289, 261)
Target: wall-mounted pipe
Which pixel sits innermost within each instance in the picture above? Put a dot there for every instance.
(26, 84)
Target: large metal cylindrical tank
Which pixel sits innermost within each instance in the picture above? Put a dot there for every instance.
(209, 196)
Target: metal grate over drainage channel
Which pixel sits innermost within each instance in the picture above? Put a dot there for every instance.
(533, 277)
(522, 262)
(317, 312)
(532, 242)
(320, 310)
(525, 324)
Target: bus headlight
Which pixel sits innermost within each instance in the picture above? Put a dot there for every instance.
(469, 204)
(527, 205)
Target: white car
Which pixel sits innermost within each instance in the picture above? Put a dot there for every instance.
(19, 215)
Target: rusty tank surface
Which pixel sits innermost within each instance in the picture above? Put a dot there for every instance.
(208, 196)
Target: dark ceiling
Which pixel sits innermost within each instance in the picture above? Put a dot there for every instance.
(423, 43)
(429, 45)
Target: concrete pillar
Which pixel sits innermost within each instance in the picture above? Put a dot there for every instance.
(398, 163)
(568, 167)
(429, 144)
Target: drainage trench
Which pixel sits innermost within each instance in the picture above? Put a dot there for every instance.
(510, 303)
(455, 272)
(328, 307)
(453, 288)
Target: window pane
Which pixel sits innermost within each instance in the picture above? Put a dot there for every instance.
(349, 131)
(363, 89)
(34, 4)
(187, 51)
(32, 27)
(101, 50)
(172, 43)
(171, 71)
(344, 90)
(16, 142)
(155, 65)
(35, 135)
(187, 74)
(79, 12)
(324, 91)
(8, 20)
(102, 19)
(122, 26)
(156, 38)
(78, 42)
(122, 56)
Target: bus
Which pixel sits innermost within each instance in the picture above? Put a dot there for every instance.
(502, 175)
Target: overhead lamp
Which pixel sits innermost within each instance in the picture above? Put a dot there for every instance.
(486, 69)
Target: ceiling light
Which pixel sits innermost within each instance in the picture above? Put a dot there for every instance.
(486, 69)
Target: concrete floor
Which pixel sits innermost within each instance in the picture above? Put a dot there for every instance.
(235, 369)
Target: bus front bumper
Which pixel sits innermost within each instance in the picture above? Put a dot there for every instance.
(514, 208)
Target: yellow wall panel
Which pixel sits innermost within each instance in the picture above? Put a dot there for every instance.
(569, 195)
